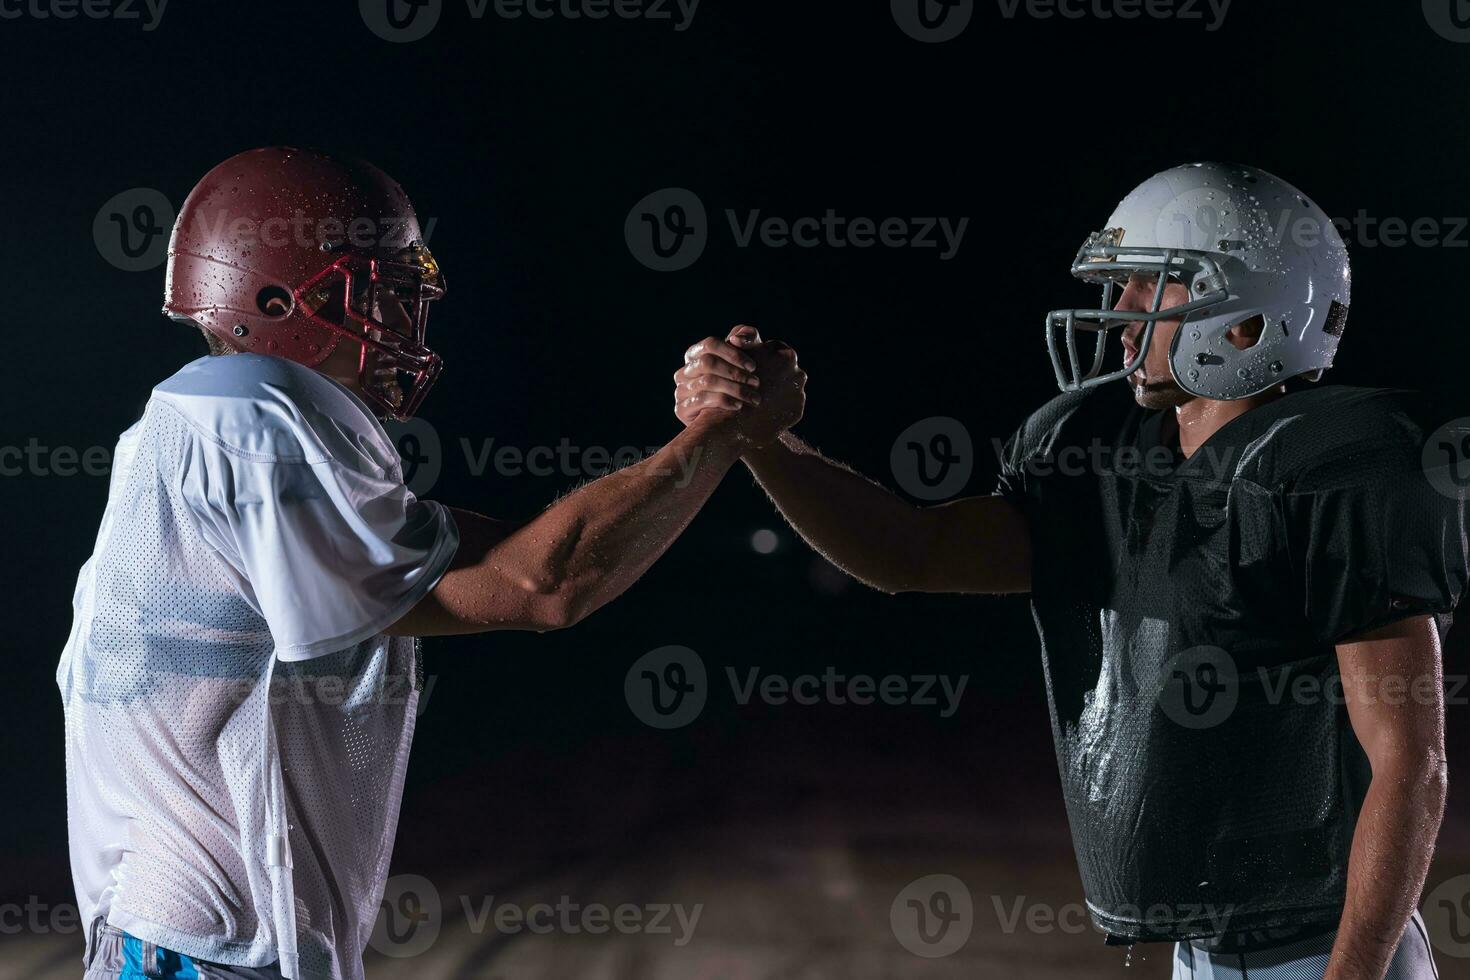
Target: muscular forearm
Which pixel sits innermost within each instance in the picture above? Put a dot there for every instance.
(605, 535)
(582, 551)
(1390, 859)
(858, 525)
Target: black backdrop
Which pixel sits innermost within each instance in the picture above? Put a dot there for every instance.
(528, 141)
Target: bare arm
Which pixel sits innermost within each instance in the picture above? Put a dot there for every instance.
(979, 544)
(1393, 683)
(582, 551)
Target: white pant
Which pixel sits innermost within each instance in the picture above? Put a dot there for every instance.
(1305, 960)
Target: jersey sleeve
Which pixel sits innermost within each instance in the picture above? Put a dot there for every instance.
(332, 550)
(1374, 540)
(1039, 435)
(1010, 482)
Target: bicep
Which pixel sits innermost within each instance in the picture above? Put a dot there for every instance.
(975, 545)
(1393, 684)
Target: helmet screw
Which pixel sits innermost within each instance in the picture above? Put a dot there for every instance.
(1194, 335)
(1193, 375)
(241, 330)
(1276, 366)
(1201, 357)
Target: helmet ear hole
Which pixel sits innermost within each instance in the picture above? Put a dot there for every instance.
(1247, 333)
(273, 301)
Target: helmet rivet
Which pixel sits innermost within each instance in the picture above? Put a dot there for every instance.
(1193, 375)
(1194, 335)
(241, 330)
(1201, 357)
(1243, 373)
(1277, 366)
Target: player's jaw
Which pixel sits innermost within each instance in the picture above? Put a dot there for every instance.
(1153, 382)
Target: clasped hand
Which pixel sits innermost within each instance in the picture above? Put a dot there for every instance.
(756, 383)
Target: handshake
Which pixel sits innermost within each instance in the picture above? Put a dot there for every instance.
(756, 383)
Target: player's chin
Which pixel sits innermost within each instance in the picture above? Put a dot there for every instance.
(1157, 394)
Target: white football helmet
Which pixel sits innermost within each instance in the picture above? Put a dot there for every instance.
(1246, 244)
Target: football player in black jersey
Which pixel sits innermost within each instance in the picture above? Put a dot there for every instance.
(1241, 580)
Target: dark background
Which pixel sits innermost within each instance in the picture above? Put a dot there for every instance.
(529, 141)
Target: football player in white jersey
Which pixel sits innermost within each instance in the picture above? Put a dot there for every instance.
(241, 677)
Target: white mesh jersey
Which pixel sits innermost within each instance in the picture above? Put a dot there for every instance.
(237, 728)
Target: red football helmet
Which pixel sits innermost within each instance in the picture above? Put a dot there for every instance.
(287, 251)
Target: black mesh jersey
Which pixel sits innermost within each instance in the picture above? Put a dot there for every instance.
(1188, 611)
